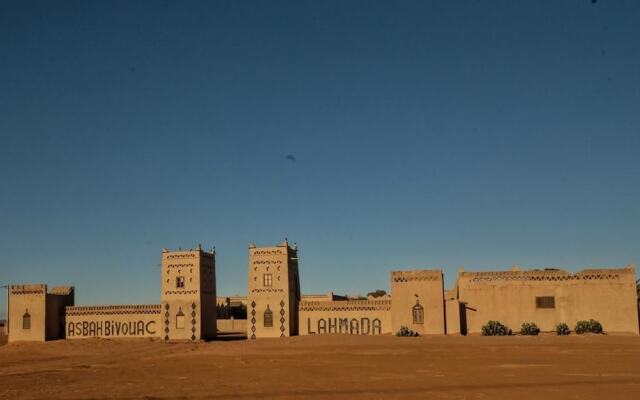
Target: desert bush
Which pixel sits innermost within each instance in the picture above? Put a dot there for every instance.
(562, 329)
(590, 326)
(529, 328)
(495, 328)
(377, 293)
(406, 332)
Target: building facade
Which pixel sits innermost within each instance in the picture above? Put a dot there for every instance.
(187, 310)
(274, 306)
(36, 314)
(550, 296)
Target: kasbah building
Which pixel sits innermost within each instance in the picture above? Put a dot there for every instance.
(190, 311)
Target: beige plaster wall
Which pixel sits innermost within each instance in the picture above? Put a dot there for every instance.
(323, 297)
(425, 287)
(281, 298)
(232, 326)
(452, 309)
(119, 321)
(607, 295)
(355, 317)
(31, 298)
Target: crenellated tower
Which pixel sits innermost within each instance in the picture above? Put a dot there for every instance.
(273, 291)
(188, 294)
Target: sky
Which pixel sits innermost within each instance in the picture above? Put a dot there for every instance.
(377, 135)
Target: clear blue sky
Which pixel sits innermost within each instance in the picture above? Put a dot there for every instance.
(428, 134)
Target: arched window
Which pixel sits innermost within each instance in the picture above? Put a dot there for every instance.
(418, 313)
(180, 319)
(268, 318)
(26, 320)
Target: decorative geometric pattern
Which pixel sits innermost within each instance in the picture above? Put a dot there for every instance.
(28, 289)
(257, 262)
(266, 290)
(345, 305)
(268, 252)
(181, 256)
(114, 310)
(408, 276)
(193, 321)
(180, 292)
(166, 322)
(282, 320)
(179, 266)
(253, 320)
(541, 275)
(18, 292)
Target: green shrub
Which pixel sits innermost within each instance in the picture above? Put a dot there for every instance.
(495, 328)
(590, 326)
(529, 328)
(404, 331)
(562, 329)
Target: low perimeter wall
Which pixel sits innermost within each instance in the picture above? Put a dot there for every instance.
(125, 321)
(354, 317)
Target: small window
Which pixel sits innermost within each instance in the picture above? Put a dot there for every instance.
(26, 320)
(546, 302)
(180, 282)
(268, 318)
(418, 313)
(180, 319)
(267, 280)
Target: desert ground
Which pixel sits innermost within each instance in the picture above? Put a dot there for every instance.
(327, 367)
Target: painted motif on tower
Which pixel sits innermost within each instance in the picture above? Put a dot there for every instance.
(253, 320)
(282, 320)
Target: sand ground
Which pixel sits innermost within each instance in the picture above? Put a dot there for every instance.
(327, 367)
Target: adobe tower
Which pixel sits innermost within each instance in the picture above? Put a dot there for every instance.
(273, 291)
(188, 294)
